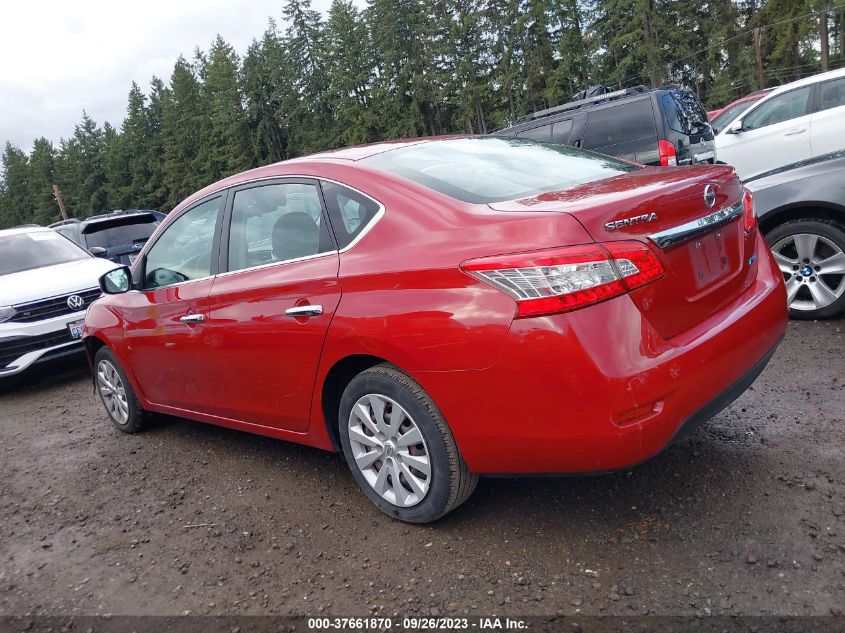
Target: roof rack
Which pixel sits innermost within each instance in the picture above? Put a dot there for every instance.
(63, 222)
(574, 105)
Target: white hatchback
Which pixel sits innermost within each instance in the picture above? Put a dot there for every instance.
(792, 123)
(46, 284)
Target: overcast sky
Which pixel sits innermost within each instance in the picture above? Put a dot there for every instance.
(60, 57)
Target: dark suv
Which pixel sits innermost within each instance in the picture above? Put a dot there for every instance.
(118, 236)
(652, 127)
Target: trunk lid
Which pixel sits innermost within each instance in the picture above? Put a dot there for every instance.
(703, 272)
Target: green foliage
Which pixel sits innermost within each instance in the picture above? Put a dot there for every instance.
(402, 68)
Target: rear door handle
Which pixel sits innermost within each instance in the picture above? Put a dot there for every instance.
(192, 318)
(298, 311)
(796, 131)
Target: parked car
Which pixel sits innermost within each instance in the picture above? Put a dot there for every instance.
(651, 127)
(750, 97)
(118, 236)
(800, 120)
(722, 118)
(442, 309)
(802, 213)
(46, 284)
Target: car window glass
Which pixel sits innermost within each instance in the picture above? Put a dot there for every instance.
(620, 124)
(561, 130)
(832, 94)
(126, 233)
(349, 211)
(542, 133)
(784, 107)
(183, 252)
(276, 222)
(726, 116)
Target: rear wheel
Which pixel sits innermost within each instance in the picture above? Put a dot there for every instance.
(811, 256)
(400, 449)
(116, 393)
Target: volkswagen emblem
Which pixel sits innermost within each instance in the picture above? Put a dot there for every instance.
(75, 302)
(709, 196)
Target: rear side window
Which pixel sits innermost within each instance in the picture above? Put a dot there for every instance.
(275, 223)
(561, 131)
(620, 124)
(832, 94)
(542, 133)
(349, 211)
(783, 107)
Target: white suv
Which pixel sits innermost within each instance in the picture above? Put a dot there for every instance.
(792, 123)
(46, 284)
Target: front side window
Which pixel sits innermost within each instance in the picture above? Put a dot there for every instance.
(620, 124)
(727, 116)
(561, 131)
(184, 250)
(832, 94)
(36, 249)
(492, 169)
(789, 105)
(542, 133)
(350, 212)
(275, 223)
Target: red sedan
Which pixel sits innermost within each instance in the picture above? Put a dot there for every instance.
(447, 308)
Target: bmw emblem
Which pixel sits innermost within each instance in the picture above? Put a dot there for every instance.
(709, 196)
(75, 302)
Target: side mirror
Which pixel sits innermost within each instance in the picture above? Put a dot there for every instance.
(735, 127)
(116, 281)
(97, 251)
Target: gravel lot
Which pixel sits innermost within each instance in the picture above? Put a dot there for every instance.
(746, 516)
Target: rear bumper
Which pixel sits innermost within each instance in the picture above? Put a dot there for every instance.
(599, 389)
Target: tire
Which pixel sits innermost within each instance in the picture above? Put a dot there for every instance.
(811, 293)
(123, 408)
(381, 444)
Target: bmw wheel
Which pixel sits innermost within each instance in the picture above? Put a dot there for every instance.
(116, 393)
(400, 449)
(811, 256)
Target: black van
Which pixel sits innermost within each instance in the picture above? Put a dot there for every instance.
(667, 126)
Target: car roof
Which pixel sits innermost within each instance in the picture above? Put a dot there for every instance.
(807, 81)
(19, 230)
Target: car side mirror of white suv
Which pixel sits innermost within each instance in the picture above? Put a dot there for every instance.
(735, 127)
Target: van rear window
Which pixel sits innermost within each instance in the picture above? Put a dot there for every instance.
(620, 124)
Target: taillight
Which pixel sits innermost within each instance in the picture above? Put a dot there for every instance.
(668, 155)
(565, 279)
(749, 213)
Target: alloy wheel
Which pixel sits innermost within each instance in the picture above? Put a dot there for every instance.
(813, 268)
(389, 450)
(113, 392)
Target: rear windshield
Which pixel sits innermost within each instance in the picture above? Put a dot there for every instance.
(36, 249)
(111, 233)
(485, 170)
(683, 111)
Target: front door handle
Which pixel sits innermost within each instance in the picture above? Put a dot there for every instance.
(300, 311)
(796, 131)
(192, 318)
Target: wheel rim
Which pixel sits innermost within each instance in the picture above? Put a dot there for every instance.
(112, 392)
(389, 450)
(813, 269)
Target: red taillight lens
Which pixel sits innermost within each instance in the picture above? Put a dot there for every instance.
(749, 213)
(561, 280)
(668, 155)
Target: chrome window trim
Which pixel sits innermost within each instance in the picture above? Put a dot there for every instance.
(691, 229)
(278, 263)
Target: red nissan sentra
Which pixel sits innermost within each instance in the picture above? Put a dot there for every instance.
(447, 308)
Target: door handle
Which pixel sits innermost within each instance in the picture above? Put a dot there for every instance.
(192, 318)
(796, 131)
(299, 311)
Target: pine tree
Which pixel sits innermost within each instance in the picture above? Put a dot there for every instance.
(18, 208)
(41, 180)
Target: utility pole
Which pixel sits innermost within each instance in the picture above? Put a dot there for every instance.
(57, 194)
(823, 34)
(758, 58)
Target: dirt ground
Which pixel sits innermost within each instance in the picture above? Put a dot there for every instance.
(746, 516)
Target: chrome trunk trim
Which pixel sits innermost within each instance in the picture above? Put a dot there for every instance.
(691, 229)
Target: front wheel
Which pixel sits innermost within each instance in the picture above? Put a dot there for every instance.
(811, 255)
(400, 449)
(116, 393)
